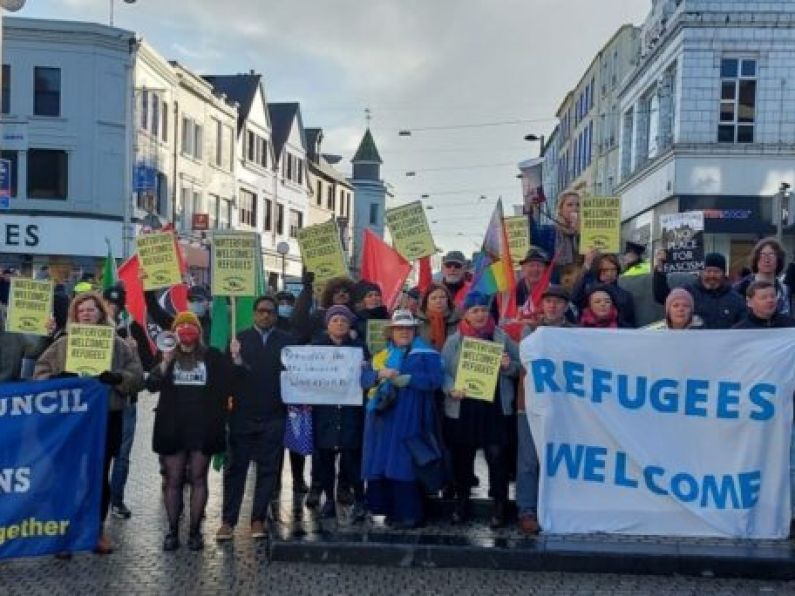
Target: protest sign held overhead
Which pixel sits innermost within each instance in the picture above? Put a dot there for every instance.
(601, 224)
(29, 306)
(321, 251)
(683, 241)
(157, 254)
(51, 480)
(478, 368)
(233, 261)
(616, 434)
(322, 375)
(411, 235)
(89, 348)
(518, 230)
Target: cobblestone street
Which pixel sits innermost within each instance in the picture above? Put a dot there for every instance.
(140, 567)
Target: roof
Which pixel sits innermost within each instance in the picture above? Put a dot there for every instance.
(241, 88)
(367, 151)
(312, 137)
(282, 117)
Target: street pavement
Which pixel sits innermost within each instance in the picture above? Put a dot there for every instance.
(139, 566)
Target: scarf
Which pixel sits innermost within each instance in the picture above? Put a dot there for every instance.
(391, 357)
(468, 330)
(588, 319)
(438, 323)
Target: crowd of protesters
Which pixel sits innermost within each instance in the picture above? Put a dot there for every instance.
(364, 457)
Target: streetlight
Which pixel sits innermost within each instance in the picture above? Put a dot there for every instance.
(404, 133)
(411, 174)
(110, 9)
(535, 137)
(283, 248)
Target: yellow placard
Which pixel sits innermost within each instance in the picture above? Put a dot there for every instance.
(234, 264)
(411, 235)
(29, 306)
(478, 368)
(518, 232)
(321, 251)
(600, 226)
(157, 255)
(376, 341)
(89, 349)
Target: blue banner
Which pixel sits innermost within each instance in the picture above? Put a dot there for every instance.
(52, 444)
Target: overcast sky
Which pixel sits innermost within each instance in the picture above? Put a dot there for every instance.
(415, 63)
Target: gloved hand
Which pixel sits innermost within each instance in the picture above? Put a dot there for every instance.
(110, 378)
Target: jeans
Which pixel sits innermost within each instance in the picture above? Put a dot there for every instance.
(121, 464)
(526, 468)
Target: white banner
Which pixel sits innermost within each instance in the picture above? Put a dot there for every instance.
(682, 433)
(322, 375)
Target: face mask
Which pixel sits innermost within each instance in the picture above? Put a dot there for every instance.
(198, 308)
(188, 335)
(285, 310)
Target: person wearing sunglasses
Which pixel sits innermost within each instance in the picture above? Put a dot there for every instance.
(454, 276)
(257, 419)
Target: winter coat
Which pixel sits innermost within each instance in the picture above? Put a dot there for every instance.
(638, 281)
(125, 362)
(341, 427)
(506, 382)
(751, 321)
(385, 455)
(622, 299)
(721, 308)
(14, 347)
(424, 330)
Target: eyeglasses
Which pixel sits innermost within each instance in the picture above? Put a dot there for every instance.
(269, 311)
(453, 265)
(768, 255)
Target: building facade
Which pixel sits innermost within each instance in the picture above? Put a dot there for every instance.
(369, 196)
(708, 120)
(67, 131)
(332, 194)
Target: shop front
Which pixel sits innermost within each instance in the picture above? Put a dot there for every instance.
(68, 246)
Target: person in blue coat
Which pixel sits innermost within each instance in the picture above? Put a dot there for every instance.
(400, 407)
(337, 429)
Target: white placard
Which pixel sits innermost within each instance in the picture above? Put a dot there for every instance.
(678, 433)
(322, 375)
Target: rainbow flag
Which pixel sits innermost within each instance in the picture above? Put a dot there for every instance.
(493, 269)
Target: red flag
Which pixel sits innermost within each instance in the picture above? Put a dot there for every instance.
(133, 286)
(383, 265)
(540, 288)
(426, 277)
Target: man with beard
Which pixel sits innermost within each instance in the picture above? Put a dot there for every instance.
(454, 276)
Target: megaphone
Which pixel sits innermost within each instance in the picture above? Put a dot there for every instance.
(166, 341)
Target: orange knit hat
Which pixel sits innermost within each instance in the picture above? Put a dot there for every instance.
(186, 318)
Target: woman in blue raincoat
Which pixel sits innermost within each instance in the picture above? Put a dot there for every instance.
(400, 407)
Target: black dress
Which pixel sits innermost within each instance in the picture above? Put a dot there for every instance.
(479, 424)
(191, 411)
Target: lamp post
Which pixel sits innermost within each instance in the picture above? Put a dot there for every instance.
(283, 248)
(110, 9)
(781, 207)
(535, 137)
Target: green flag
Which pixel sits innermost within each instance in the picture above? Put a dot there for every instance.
(109, 273)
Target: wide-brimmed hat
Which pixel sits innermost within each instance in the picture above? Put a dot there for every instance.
(402, 318)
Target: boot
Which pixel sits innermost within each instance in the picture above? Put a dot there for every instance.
(461, 510)
(498, 514)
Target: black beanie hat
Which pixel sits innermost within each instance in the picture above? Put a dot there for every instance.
(715, 259)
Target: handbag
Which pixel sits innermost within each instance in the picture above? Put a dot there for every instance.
(298, 436)
(427, 457)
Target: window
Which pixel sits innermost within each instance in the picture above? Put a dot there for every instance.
(192, 138)
(299, 166)
(213, 202)
(47, 91)
(737, 100)
(329, 197)
(5, 85)
(164, 125)
(348, 206)
(230, 146)
(289, 174)
(13, 157)
(248, 208)
(279, 218)
(267, 217)
(145, 109)
(196, 205)
(251, 146)
(219, 143)
(198, 141)
(342, 201)
(48, 174)
(225, 214)
(319, 194)
(262, 158)
(373, 214)
(155, 115)
(296, 222)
